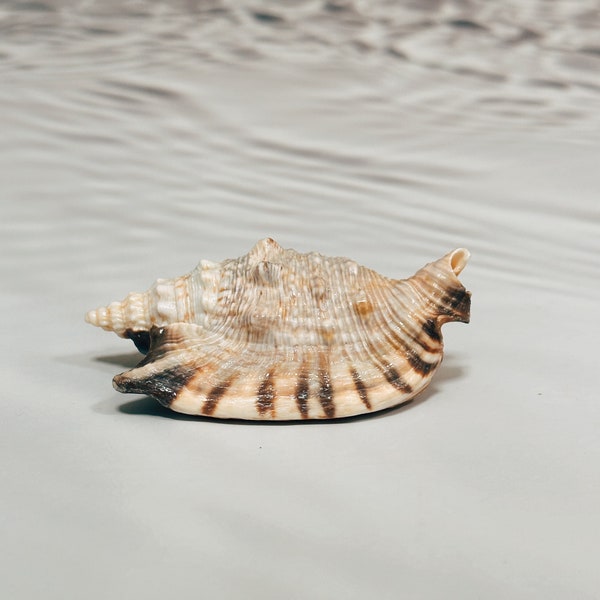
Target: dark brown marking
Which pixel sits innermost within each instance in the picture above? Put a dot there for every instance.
(213, 397)
(455, 297)
(163, 386)
(417, 338)
(422, 341)
(141, 339)
(360, 388)
(302, 392)
(390, 327)
(266, 396)
(393, 377)
(326, 392)
(456, 304)
(431, 328)
(412, 329)
(418, 364)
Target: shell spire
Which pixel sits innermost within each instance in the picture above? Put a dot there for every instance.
(277, 334)
(167, 301)
(130, 314)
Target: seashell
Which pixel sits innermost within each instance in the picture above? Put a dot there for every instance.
(281, 335)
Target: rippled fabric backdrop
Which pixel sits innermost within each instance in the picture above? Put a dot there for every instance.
(139, 137)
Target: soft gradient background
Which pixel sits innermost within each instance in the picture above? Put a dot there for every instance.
(139, 137)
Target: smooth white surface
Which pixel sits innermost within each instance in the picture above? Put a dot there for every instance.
(177, 135)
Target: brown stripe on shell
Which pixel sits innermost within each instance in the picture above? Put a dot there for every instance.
(455, 296)
(326, 389)
(437, 295)
(302, 391)
(381, 362)
(265, 397)
(401, 347)
(393, 377)
(387, 369)
(457, 304)
(215, 394)
(412, 356)
(418, 364)
(431, 328)
(414, 329)
(164, 386)
(422, 340)
(361, 390)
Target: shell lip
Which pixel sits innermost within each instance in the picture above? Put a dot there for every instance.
(458, 260)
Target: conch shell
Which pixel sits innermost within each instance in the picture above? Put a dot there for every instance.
(281, 335)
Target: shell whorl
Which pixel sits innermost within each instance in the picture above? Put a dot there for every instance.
(277, 334)
(183, 299)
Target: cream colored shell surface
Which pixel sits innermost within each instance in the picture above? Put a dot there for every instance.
(281, 335)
